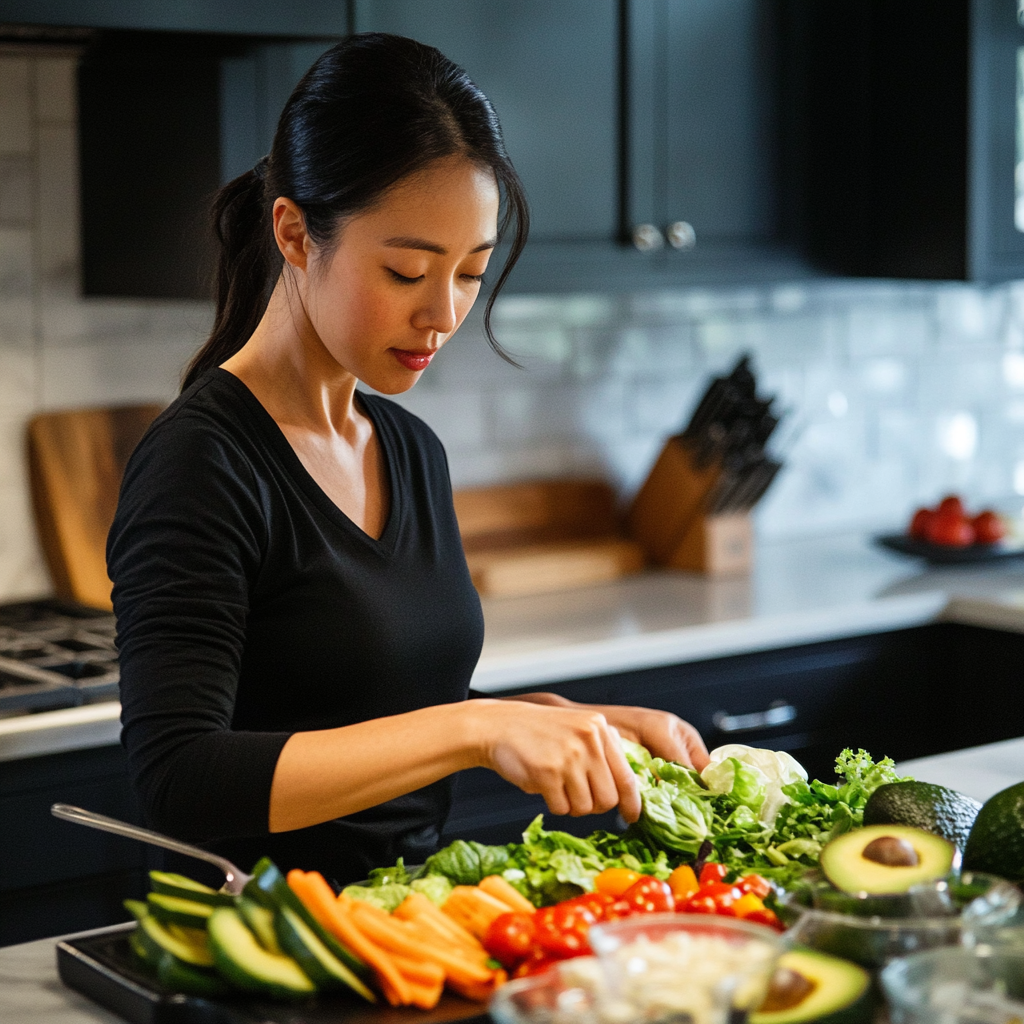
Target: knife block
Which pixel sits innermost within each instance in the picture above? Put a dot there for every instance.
(668, 518)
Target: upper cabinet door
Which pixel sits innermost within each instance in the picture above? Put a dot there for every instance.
(550, 69)
(701, 91)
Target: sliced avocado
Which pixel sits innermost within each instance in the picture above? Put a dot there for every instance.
(996, 842)
(151, 938)
(811, 986)
(924, 805)
(247, 965)
(884, 859)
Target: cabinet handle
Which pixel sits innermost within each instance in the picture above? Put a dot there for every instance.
(647, 238)
(777, 713)
(681, 235)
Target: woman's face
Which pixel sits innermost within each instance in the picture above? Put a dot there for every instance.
(402, 276)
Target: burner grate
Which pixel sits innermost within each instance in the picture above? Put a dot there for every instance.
(55, 655)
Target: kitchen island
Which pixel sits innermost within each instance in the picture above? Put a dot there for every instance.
(831, 642)
(31, 992)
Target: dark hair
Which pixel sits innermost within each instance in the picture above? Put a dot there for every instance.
(371, 111)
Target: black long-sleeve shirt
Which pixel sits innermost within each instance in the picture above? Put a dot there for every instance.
(250, 607)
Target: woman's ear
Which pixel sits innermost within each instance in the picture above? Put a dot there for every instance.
(290, 232)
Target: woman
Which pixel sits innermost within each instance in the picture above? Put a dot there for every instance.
(297, 627)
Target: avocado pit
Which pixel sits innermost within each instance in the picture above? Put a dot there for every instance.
(891, 851)
(788, 988)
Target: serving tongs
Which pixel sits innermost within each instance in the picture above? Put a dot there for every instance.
(234, 878)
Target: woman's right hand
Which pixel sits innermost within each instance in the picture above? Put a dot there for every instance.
(571, 757)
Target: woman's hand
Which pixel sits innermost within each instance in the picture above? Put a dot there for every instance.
(665, 735)
(570, 755)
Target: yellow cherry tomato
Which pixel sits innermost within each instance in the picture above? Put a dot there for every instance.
(615, 881)
(683, 882)
(747, 904)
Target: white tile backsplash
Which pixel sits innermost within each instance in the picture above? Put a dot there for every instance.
(894, 392)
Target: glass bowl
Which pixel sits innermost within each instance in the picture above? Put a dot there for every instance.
(981, 985)
(686, 966)
(872, 930)
(571, 992)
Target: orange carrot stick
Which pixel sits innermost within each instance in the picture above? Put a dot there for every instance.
(317, 895)
(496, 886)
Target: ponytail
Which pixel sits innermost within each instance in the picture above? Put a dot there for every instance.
(371, 111)
(244, 271)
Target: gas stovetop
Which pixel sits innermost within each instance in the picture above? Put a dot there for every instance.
(54, 654)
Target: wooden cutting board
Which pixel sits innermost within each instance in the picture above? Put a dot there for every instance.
(76, 460)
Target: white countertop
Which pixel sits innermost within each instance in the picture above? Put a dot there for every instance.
(800, 592)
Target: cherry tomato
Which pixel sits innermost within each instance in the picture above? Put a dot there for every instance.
(650, 896)
(535, 963)
(766, 916)
(562, 929)
(600, 904)
(950, 530)
(698, 904)
(683, 883)
(919, 524)
(616, 881)
(952, 505)
(747, 904)
(712, 873)
(510, 938)
(988, 527)
(755, 884)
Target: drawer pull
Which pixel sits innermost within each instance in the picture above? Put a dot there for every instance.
(777, 713)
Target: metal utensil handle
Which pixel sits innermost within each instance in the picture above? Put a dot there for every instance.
(779, 713)
(235, 878)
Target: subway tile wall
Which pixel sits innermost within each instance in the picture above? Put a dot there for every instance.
(894, 392)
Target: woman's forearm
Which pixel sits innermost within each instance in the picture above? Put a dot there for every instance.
(329, 773)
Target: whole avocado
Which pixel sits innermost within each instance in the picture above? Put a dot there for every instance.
(996, 843)
(924, 805)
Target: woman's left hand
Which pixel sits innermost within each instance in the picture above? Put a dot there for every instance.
(665, 735)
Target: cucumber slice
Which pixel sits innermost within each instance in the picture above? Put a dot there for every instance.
(261, 923)
(188, 889)
(323, 968)
(174, 910)
(269, 888)
(156, 939)
(177, 976)
(247, 965)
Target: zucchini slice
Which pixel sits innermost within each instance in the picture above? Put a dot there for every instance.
(188, 889)
(269, 888)
(154, 938)
(174, 910)
(247, 965)
(324, 969)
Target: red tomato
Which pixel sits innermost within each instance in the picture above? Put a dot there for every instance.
(535, 963)
(766, 916)
(600, 904)
(712, 873)
(510, 938)
(950, 530)
(919, 524)
(988, 527)
(562, 929)
(952, 505)
(649, 896)
(698, 904)
(755, 884)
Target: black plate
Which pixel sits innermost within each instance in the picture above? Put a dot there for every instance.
(939, 554)
(102, 967)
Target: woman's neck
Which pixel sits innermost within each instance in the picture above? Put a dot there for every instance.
(287, 367)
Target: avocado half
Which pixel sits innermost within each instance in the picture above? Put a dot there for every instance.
(811, 986)
(924, 805)
(884, 859)
(996, 842)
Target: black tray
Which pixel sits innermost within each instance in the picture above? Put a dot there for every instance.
(940, 554)
(103, 967)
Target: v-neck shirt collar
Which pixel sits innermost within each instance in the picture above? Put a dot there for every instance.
(281, 447)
